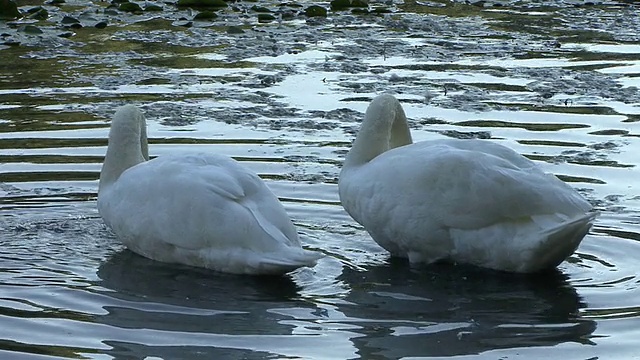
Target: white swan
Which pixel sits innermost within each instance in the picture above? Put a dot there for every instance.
(466, 201)
(202, 210)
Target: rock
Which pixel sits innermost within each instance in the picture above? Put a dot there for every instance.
(153, 7)
(205, 15)
(68, 20)
(55, 2)
(130, 7)
(9, 10)
(340, 4)
(337, 5)
(202, 3)
(100, 25)
(260, 9)
(234, 30)
(66, 34)
(38, 13)
(262, 17)
(71, 23)
(30, 29)
(360, 3)
(315, 10)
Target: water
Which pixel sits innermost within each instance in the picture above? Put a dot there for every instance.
(555, 81)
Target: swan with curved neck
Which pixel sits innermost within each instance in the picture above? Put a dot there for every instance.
(464, 201)
(202, 210)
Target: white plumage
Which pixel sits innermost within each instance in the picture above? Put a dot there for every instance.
(466, 201)
(203, 210)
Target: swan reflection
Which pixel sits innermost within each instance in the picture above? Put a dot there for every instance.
(447, 310)
(390, 311)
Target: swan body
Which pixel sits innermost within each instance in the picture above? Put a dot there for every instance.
(203, 210)
(466, 201)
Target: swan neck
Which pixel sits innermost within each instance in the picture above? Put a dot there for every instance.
(384, 128)
(127, 145)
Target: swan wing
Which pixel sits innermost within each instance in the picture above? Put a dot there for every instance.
(467, 185)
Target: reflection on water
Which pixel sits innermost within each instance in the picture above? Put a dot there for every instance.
(448, 310)
(557, 82)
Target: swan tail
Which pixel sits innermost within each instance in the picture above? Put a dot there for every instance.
(287, 260)
(561, 240)
(525, 246)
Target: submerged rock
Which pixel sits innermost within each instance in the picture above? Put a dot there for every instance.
(30, 29)
(235, 30)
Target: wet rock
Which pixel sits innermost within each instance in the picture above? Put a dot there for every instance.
(9, 10)
(130, 7)
(265, 18)
(153, 7)
(66, 34)
(205, 15)
(315, 10)
(68, 20)
(202, 3)
(38, 13)
(260, 9)
(100, 25)
(30, 29)
(55, 2)
(337, 5)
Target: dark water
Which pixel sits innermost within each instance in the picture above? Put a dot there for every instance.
(556, 81)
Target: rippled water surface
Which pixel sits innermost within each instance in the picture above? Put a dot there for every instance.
(556, 81)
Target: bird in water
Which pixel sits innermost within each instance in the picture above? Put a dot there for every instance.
(465, 201)
(199, 209)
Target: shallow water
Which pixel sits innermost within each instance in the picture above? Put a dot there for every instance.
(555, 81)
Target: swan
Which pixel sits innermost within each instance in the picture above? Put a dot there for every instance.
(464, 201)
(203, 210)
